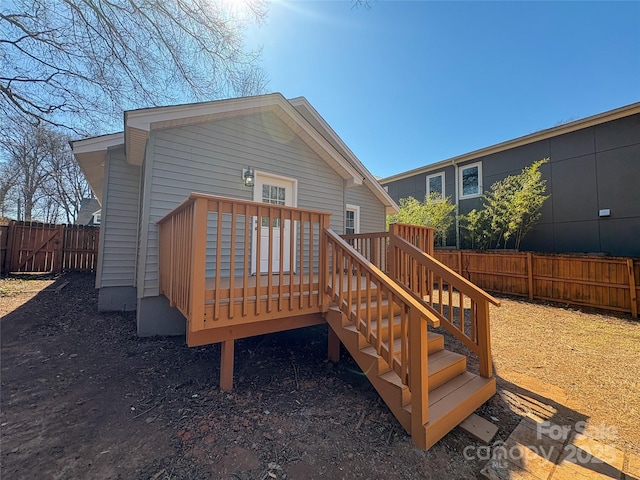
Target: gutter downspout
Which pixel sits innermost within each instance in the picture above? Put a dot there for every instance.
(456, 185)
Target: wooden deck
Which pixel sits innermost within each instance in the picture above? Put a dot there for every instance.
(378, 293)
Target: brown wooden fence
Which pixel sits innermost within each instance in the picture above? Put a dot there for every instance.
(610, 283)
(46, 247)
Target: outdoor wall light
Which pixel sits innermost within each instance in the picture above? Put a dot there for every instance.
(248, 176)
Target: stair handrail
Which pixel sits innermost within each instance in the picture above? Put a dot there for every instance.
(414, 318)
(479, 342)
(385, 279)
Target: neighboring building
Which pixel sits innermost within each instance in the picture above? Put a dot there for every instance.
(166, 153)
(89, 212)
(593, 177)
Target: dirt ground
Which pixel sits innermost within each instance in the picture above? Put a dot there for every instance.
(83, 397)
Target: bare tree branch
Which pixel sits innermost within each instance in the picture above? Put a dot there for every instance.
(76, 63)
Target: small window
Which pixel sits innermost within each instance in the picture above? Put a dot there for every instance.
(97, 217)
(352, 220)
(471, 180)
(435, 183)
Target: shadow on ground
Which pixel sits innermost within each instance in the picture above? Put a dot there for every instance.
(83, 397)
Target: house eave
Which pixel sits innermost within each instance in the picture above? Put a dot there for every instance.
(90, 154)
(367, 177)
(587, 122)
(138, 124)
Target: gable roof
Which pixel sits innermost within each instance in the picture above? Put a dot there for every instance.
(302, 105)
(138, 123)
(587, 122)
(91, 152)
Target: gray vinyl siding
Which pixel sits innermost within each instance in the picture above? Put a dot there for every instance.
(308, 116)
(209, 157)
(119, 225)
(372, 211)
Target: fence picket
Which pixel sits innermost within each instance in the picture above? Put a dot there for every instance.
(42, 248)
(590, 281)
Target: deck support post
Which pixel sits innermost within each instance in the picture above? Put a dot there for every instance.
(333, 349)
(226, 366)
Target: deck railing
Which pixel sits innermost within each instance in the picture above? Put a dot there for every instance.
(405, 253)
(175, 243)
(418, 236)
(366, 295)
(375, 246)
(223, 259)
(462, 308)
(372, 246)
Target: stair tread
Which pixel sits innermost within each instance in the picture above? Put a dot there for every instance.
(433, 341)
(454, 395)
(442, 358)
(438, 362)
(447, 397)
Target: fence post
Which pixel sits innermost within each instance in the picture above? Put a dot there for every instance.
(530, 274)
(13, 255)
(58, 255)
(632, 288)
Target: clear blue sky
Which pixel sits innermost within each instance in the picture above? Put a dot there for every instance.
(406, 84)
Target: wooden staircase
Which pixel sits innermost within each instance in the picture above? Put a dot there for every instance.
(453, 392)
(380, 312)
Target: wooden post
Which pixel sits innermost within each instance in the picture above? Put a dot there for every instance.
(484, 339)
(530, 274)
(391, 255)
(59, 247)
(323, 280)
(431, 242)
(460, 262)
(226, 366)
(333, 347)
(11, 256)
(198, 264)
(418, 377)
(632, 288)
(373, 243)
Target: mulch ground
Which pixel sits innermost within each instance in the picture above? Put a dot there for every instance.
(83, 397)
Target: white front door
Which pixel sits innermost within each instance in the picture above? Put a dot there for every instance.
(275, 191)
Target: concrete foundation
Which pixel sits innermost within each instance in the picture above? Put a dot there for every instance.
(117, 299)
(156, 317)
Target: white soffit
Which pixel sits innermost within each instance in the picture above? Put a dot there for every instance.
(90, 155)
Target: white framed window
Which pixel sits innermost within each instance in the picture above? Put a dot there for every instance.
(352, 219)
(97, 216)
(470, 180)
(435, 183)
